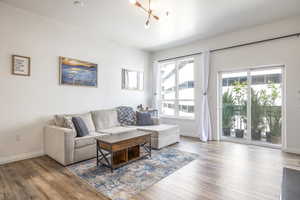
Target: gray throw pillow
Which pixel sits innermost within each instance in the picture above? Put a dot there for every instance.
(144, 119)
(80, 127)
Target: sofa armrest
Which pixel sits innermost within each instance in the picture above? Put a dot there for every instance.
(156, 120)
(59, 144)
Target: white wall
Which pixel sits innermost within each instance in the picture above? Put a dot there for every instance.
(285, 51)
(26, 103)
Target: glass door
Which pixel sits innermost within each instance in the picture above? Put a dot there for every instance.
(234, 104)
(266, 105)
(251, 105)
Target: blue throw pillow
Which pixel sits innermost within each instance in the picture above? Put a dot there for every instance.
(144, 119)
(80, 127)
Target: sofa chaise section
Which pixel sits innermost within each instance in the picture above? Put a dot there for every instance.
(162, 135)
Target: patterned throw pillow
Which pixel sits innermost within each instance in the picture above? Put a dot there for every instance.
(59, 120)
(64, 121)
(69, 123)
(126, 115)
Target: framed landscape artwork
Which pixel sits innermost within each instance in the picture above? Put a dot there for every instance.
(78, 73)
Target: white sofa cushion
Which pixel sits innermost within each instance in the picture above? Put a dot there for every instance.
(66, 120)
(104, 119)
(84, 141)
(118, 129)
(158, 129)
(87, 140)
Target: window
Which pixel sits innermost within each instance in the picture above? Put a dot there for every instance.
(132, 80)
(177, 88)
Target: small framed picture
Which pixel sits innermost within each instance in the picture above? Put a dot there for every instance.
(20, 65)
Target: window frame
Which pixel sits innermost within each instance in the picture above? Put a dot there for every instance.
(139, 78)
(176, 100)
(248, 139)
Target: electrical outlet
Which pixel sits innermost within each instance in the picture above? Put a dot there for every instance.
(18, 138)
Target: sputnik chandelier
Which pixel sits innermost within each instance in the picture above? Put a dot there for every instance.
(148, 10)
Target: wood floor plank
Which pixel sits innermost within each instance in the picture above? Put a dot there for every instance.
(224, 171)
(6, 188)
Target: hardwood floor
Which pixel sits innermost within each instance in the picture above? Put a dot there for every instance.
(42, 178)
(224, 171)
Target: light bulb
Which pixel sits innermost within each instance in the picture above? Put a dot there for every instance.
(147, 24)
(133, 1)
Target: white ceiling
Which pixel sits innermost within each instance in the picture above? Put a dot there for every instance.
(189, 19)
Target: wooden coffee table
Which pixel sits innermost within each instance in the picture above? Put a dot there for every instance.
(114, 151)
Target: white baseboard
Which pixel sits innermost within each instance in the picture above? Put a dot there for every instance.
(23, 156)
(291, 150)
(188, 134)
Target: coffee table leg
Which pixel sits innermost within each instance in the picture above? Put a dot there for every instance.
(97, 155)
(111, 162)
(150, 143)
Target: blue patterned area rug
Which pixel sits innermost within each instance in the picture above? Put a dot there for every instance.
(131, 179)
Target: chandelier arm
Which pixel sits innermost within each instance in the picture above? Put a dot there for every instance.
(138, 4)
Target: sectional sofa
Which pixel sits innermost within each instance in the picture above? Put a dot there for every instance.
(62, 144)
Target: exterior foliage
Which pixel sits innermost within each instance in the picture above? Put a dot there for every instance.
(266, 114)
(273, 112)
(240, 102)
(228, 113)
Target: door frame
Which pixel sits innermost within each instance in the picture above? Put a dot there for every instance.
(248, 140)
